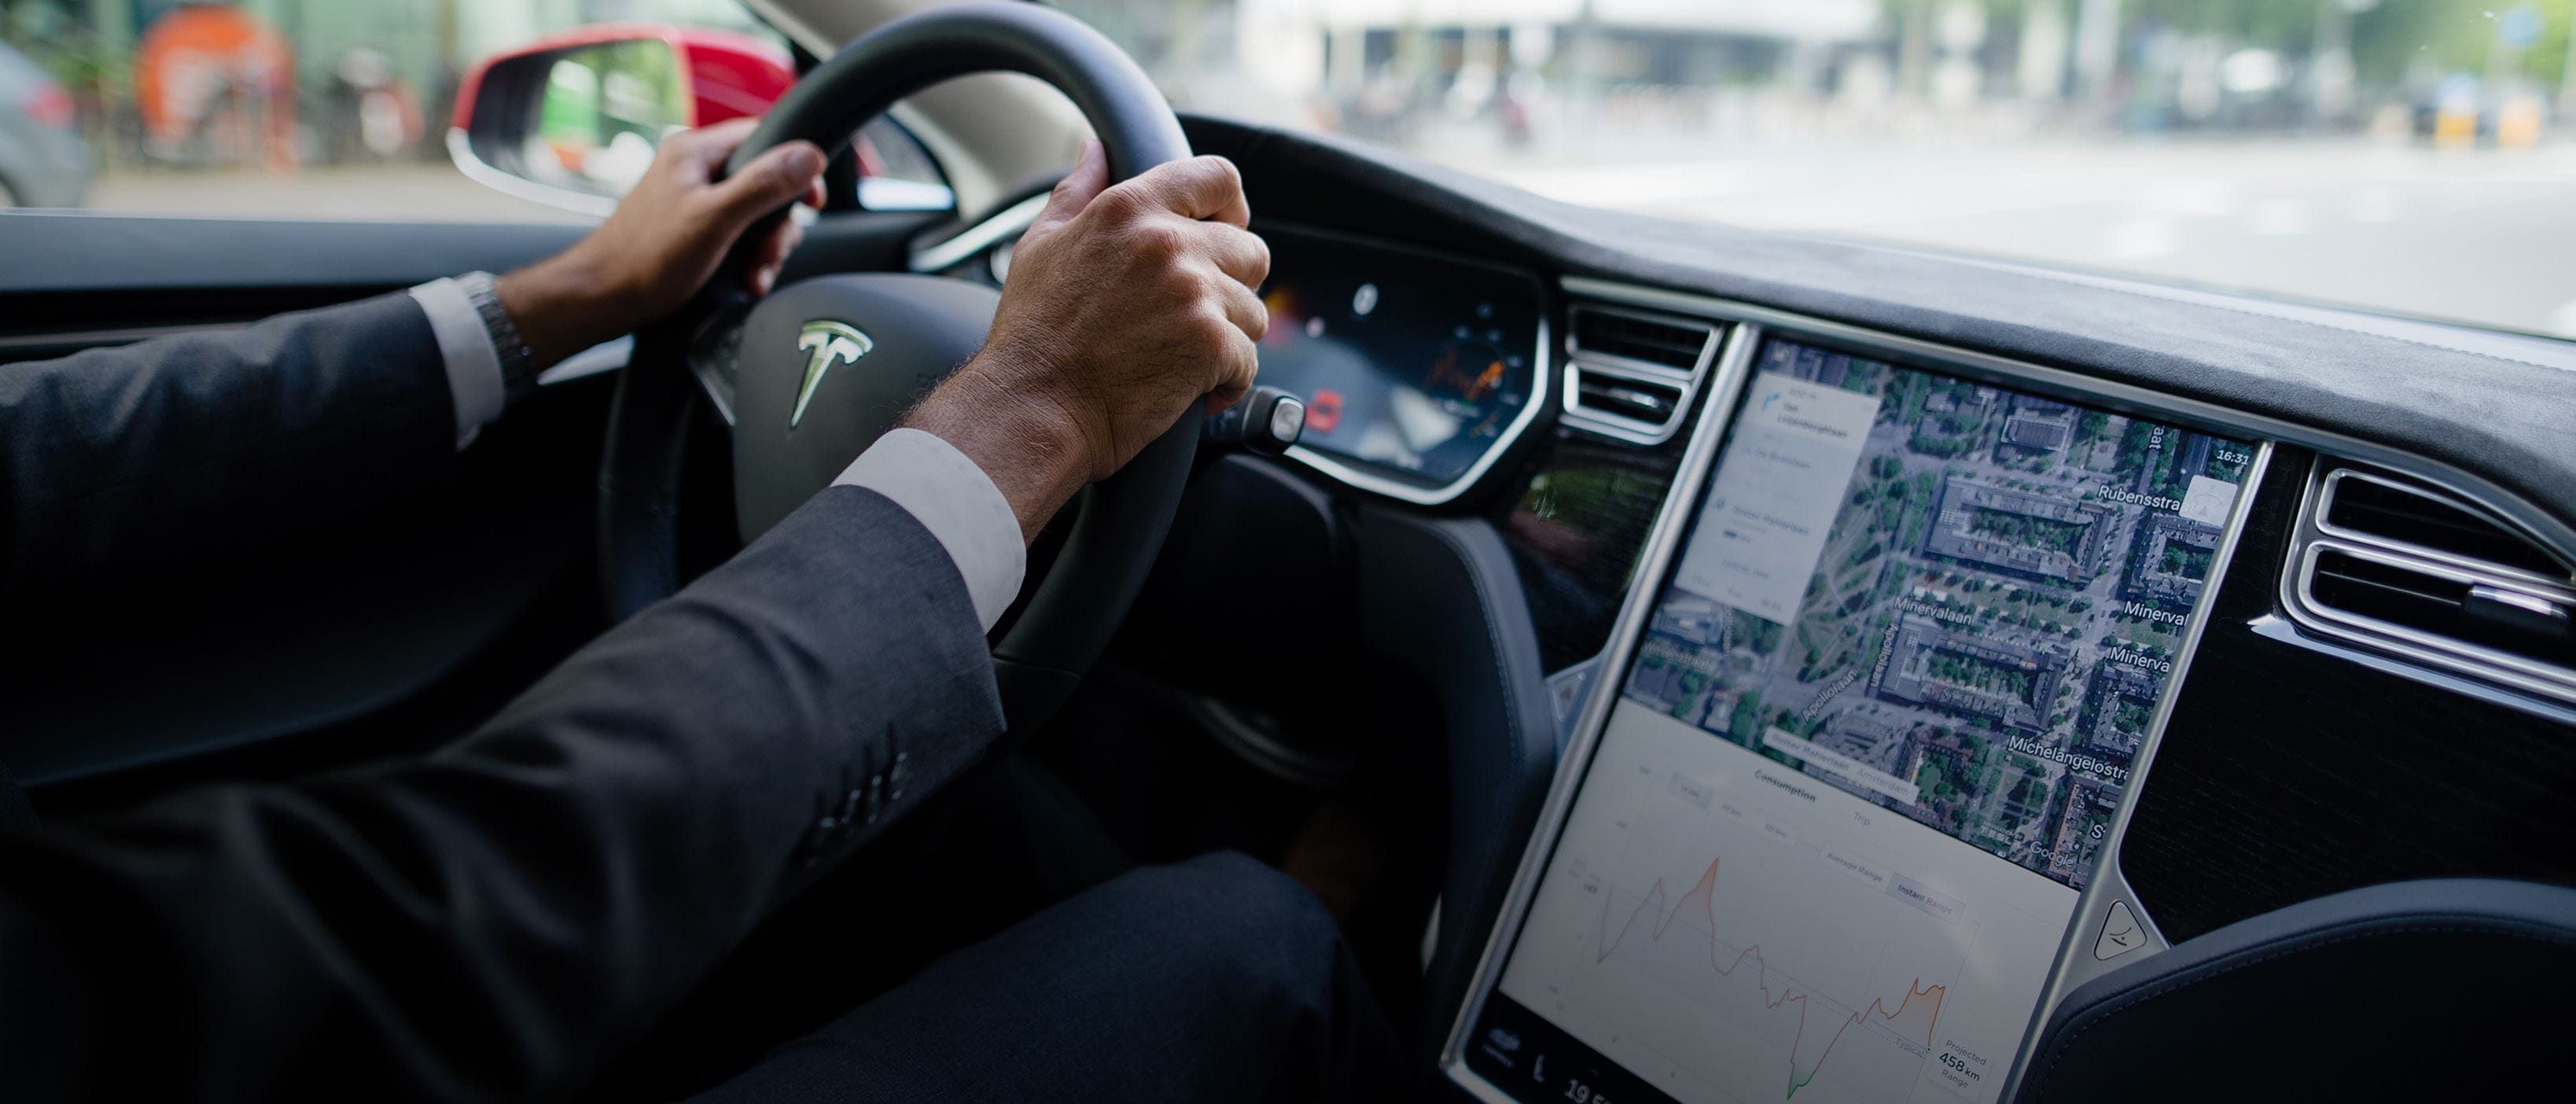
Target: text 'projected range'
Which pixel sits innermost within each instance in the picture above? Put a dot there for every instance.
(1878, 1051)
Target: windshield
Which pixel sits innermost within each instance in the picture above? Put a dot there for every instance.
(2410, 156)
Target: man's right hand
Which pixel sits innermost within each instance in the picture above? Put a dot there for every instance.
(1125, 305)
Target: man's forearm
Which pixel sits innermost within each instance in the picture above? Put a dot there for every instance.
(1023, 442)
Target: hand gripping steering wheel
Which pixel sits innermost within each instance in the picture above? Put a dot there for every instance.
(901, 335)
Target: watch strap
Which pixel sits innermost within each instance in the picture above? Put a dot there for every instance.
(518, 362)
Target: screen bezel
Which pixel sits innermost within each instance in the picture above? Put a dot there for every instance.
(1369, 476)
(1750, 328)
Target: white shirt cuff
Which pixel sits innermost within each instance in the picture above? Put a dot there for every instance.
(473, 366)
(958, 503)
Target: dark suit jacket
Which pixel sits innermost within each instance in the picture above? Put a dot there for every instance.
(186, 447)
(500, 918)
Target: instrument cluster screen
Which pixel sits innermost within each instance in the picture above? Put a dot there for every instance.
(1868, 749)
(1411, 365)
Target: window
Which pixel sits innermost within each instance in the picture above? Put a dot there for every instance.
(278, 108)
(2409, 156)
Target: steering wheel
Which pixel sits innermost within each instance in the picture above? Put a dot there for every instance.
(883, 340)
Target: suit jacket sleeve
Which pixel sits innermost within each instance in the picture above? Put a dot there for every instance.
(502, 918)
(113, 458)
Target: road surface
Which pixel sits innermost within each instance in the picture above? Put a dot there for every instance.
(2479, 236)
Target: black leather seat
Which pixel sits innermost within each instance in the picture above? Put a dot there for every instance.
(2431, 990)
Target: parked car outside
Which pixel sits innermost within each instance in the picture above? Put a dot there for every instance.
(43, 162)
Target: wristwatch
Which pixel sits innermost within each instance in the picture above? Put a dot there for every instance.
(518, 362)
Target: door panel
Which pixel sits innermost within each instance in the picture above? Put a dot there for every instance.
(331, 632)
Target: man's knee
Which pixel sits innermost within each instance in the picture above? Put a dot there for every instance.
(1232, 916)
(1262, 898)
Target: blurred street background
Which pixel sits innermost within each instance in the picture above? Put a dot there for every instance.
(2411, 156)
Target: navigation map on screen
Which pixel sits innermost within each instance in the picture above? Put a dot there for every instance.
(1950, 600)
(1869, 747)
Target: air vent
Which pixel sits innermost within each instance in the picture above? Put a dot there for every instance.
(2386, 592)
(2369, 507)
(2410, 570)
(2452, 607)
(1647, 402)
(1675, 343)
(1633, 373)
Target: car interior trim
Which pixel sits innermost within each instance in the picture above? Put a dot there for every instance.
(2511, 676)
(1439, 591)
(2327, 486)
(607, 356)
(1579, 360)
(41, 345)
(2298, 597)
(1734, 366)
(1009, 222)
(2282, 630)
(718, 390)
(2390, 958)
(2076, 963)
(115, 252)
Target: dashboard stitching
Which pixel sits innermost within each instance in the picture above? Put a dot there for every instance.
(2510, 928)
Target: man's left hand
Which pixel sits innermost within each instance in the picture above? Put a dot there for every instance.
(665, 240)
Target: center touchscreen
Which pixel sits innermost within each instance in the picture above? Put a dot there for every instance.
(1868, 749)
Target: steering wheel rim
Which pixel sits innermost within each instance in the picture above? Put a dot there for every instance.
(1069, 618)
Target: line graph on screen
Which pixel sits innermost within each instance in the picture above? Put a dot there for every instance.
(1678, 944)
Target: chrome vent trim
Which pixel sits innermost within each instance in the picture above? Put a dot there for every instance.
(1672, 382)
(2331, 491)
(2435, 575)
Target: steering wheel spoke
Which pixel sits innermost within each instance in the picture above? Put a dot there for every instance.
(715, 359)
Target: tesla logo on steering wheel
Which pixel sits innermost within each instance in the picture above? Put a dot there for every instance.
(825, 343)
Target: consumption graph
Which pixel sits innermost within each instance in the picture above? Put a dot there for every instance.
(1731, 931)
(1679, 941)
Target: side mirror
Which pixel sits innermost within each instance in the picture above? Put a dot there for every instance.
(572, 120)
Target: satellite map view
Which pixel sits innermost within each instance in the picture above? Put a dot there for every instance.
(1955, 600)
